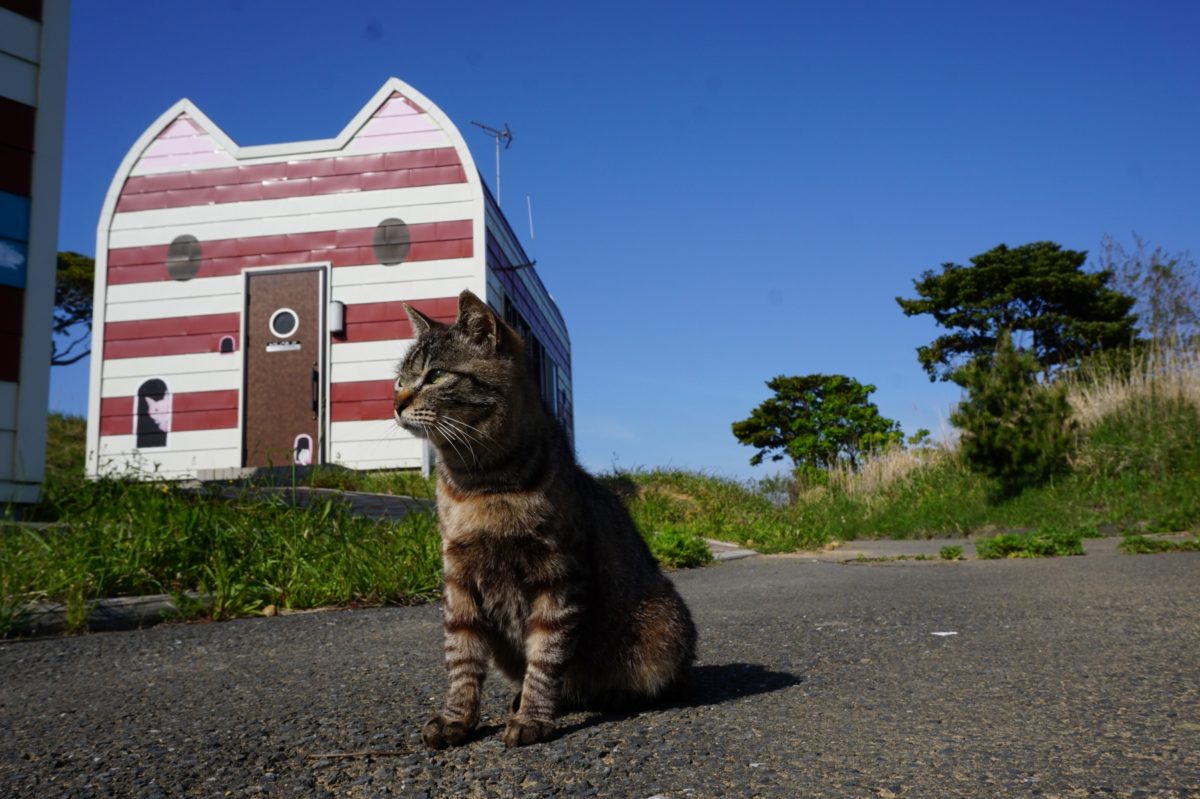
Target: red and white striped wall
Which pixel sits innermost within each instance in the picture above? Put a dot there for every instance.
(306, 203)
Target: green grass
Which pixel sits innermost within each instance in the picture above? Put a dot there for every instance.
(110, 538)
(1141, 545)
(951, 553)
(1044, 543)
(115, 538)
(1138, 469)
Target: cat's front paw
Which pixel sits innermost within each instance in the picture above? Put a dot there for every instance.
(440, 732)
(522, 732)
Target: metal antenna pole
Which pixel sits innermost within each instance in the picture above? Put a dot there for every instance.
(507, 136)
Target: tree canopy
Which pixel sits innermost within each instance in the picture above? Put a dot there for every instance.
(816, 420)
(1038, 291)
(73, 308)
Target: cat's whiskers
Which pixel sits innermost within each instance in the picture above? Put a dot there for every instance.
(477, 437)
(448, 435)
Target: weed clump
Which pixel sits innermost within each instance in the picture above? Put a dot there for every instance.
(1141, 545)
(679, 549)
(951, 553)
(1044, 543)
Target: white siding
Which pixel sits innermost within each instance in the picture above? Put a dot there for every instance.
(368, 360)
(373, 445)
(185, 453)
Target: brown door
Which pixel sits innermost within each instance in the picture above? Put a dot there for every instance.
(283, 368)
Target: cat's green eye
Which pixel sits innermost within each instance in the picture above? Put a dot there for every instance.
(399, 384)
(435, 376)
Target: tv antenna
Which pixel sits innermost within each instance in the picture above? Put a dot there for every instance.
(500, 135)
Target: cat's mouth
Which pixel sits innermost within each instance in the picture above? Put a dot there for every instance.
(419, 428)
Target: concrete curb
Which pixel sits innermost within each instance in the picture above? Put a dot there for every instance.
(723, 550)
(107, 615)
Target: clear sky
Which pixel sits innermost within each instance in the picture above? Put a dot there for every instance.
(721, 192)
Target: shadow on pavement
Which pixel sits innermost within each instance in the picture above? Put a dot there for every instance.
(712, 685)
(709, 685)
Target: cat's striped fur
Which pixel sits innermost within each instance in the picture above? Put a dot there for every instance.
(545, 574)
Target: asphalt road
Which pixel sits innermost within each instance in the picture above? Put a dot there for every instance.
(1074, 677)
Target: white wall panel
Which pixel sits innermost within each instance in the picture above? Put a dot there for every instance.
(164, 309)
(384, 369)
(159, 290)
(180, 383)
(156, 366)
(165, 463)
(185, 452)
(279, 226)
(411, 271)
(360, 351)
(403, 290)
(381, 443)
(367, 360)
(322, 204)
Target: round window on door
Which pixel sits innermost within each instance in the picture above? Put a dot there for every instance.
(284, 323)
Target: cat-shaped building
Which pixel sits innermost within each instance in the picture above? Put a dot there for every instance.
(248, 306)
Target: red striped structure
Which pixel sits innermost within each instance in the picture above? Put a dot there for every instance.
(188, 192)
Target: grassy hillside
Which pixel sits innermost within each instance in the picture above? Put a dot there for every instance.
(1136, 467)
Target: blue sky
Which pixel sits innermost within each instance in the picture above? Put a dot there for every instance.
(721, 193)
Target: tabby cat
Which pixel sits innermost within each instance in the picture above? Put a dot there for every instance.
(545, 573)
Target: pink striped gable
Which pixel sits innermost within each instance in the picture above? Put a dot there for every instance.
(180, 146)
(399, 124)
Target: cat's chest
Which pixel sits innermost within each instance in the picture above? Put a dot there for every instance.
(502, 514)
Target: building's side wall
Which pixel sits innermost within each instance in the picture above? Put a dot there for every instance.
(513, 282)
(33, 64)
(263, 207)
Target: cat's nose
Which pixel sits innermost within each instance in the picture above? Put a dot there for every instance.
(403, 399)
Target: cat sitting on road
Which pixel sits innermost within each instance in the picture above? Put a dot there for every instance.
(545, 574)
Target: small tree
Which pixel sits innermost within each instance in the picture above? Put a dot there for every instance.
(73, 308)
(1165, 285)
(816, 420)
(1038, 292)
(1013, 429)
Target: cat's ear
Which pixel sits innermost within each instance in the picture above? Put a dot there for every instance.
(478, 322)
(420, 322)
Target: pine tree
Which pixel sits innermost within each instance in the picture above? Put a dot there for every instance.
(1013, 429)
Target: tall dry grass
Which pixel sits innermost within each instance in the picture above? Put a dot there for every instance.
(1107, 386)
(1103, 388)
(877, 473)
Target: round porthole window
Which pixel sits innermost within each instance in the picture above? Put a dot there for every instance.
(183, 258)
(284, 323)
(392, 241)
